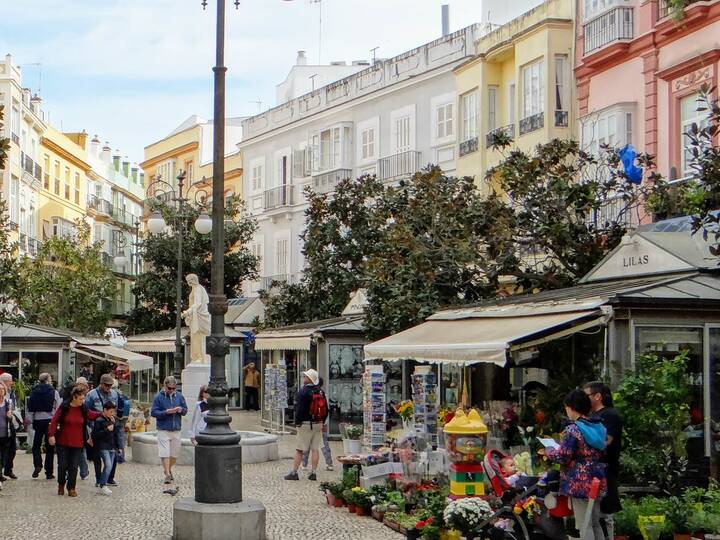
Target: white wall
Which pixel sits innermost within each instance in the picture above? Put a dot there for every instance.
(498, 12)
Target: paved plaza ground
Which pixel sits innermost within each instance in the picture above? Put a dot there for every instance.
(138, 509)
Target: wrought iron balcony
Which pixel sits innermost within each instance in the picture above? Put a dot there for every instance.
(326, 182)
(101, 206)
(29, 245)
(666, 10)
(532, 123)
(279, 197)
(123, 217)
(615, 210)
(508, 131)
(30, 167)
(399, 165)
(561, 118)
(268, 282)
(613, 25)
(469, 146)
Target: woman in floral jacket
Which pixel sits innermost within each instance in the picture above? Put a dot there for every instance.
(580, 457)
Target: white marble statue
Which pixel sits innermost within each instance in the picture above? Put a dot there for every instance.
(197, 318)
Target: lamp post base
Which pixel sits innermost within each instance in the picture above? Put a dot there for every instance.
(198, 521)
(218, 474)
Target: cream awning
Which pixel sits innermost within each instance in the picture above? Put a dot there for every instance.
(274, 341)
(150, 346)
(467, 341)
(136, 362)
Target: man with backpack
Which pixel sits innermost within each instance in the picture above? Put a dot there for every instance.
(311, 410)
(42, 404)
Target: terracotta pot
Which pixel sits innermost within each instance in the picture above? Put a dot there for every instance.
(330, 498)
(351, 508)
(698, 535)
(360, 511)
(678, 536)
(339, 502)
(620, 537)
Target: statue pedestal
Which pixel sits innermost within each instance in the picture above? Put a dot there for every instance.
(193, 377)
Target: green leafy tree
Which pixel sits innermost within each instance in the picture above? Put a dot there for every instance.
(4, 141)
(155, 288)
(64, 285)
(8, 263)
(340, 232)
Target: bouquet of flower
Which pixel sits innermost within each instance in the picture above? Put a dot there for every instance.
(466, 515)
(405, 409)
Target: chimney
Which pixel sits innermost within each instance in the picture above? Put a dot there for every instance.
(105, 153)
(126, 167)
(337, 63)
(116, 161)
(95, 146)
(301, 59)
(445, 10)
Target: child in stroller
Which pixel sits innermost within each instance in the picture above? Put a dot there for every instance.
(549, 509)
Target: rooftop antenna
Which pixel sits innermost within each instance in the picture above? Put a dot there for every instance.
(258, 103)
(373, 53)
(312, 79)
(39, 66)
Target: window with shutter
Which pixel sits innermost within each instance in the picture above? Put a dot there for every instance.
(298, 163)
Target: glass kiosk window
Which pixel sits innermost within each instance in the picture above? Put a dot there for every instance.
(344, 390)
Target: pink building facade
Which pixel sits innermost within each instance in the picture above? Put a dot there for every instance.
(639, 69)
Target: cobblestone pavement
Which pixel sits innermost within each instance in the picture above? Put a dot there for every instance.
(138, 509)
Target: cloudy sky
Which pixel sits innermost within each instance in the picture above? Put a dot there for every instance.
(132, 70)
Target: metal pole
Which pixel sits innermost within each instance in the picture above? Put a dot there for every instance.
(178, 358)
(218, 456)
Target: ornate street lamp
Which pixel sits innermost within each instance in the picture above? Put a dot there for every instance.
(160, 193)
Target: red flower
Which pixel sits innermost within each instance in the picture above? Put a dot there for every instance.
(449, 416)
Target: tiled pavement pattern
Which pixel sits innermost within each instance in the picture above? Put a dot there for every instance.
(139, 510)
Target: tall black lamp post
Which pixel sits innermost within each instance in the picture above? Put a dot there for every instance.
(163, 193)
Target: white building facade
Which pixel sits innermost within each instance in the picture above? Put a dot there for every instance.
(391, 119)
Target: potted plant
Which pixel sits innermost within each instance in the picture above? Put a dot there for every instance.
(362, 501)
(336, 488)
(325, 489)
(349, 498)
(626, 521)
(466, 515)
(351, 439)
(678, 513)
(378, 511)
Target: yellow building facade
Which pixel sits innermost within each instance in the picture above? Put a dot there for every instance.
(63, 197)
(520, 82)
(189, 149)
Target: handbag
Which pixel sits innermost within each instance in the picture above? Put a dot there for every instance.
(17, 421)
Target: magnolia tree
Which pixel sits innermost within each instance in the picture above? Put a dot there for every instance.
(8, 263)
(434, 240)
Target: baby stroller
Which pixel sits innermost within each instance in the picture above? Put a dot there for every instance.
(550, 508)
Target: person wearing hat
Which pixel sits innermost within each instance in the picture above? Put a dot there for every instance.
(95, 401)
(308, 401)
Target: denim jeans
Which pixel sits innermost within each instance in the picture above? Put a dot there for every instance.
(84, 470)
(108, 459)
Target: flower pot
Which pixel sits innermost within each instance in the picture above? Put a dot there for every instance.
(698, 536)
(360, 511)
(351, 446)
(621, 537)
(351, 508)
(378, 515)
(339, 502)
(412, 534)
(330, 498)
(679, 536)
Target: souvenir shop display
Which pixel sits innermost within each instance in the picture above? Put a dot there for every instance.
(466, 440)
(345, 395)
(374, 408)
(275, 397)
(424, 392)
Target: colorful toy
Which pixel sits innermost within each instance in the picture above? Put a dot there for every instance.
(466, 440)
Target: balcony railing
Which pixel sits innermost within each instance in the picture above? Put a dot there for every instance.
(508, 131)
(615, 210)
(279, 197)
(326, 182)
(532, 123)
(102, 206)
(268, 282)
(30, 167)
(28, 245)
(399, 165)
(123, 217)
(469, 146)
(611, 26)
(561, 118)
(14, 138)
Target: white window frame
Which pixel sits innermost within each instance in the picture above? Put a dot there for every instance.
(282, 262)
(331, 147)
(371, 125)
(15, 199)
(594, 8)
(403, 139)
(469, 112)
(562, 83)
(700, 118)
(511, 103)
(533, 87)
(257, 175)
(448, 104)
(258, 250)
(493, 107)
(613, 125)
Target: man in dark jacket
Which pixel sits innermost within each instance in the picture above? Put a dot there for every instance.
(42, 404)
(309, 430)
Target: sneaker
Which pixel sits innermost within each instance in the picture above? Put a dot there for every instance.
(36, 472)
(292, 476)
(97, 484)
(168, 479)
(112, 483)
(105, 491)
(312, 477)
(329, 468)
(11, 475)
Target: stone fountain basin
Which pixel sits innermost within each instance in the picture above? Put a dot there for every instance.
(257, 448)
